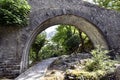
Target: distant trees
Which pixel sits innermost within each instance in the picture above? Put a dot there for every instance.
(42, 49)
(72, 39)
(67, 37)
(51, 49)
(36, 47)
(67, 40)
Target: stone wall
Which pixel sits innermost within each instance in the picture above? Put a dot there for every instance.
(9, 57)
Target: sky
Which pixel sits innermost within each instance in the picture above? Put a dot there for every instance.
(91, 1)
(50, 29)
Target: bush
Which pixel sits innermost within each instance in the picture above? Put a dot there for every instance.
(14, 12)
(99, 59)
(99, 67)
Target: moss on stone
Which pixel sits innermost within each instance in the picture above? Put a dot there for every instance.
(85, 75)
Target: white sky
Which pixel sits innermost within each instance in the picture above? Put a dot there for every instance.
(91, 1)
(50, 29)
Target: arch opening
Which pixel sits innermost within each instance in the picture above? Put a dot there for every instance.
(59, 40)
(91, 30)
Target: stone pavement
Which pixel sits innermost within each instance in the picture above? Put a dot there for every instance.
(36, 72)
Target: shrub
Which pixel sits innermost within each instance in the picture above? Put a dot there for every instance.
(98, 60)
(14, 12)
(99, 67)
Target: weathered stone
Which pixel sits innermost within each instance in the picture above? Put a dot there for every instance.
(37, 71)
(101, 25)
(118, 73)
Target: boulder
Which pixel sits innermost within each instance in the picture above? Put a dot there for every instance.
(118, 73)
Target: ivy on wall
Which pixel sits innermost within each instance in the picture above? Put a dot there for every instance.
(14, 12)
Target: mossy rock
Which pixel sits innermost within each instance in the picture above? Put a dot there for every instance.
(84, 75)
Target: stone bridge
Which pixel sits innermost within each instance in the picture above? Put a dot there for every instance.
(101, 25)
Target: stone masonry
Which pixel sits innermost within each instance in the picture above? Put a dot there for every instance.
(101, 25)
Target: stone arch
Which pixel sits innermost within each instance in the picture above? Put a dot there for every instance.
(93, 32)
(15, 42)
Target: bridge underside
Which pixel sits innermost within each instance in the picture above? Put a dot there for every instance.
(101, 25)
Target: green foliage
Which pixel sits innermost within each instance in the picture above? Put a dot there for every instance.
(85, 75)
(51, 49)
(98, 60)
(110, 4)
(14, 12)
(66, 41)
(43, 49)
(67, 37)
(63, 33)
(36, 47)
(95, 68)
(72, 43)
(72, 39)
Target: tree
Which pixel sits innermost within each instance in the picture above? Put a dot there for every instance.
(51, 49)
(64, 35)
(67, 40)
(72, 39)
(14, 12)
(72, 44)
(109, 4)
(36, 47)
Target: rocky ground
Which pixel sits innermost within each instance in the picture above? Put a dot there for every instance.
(74, 65)
(65, 63)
